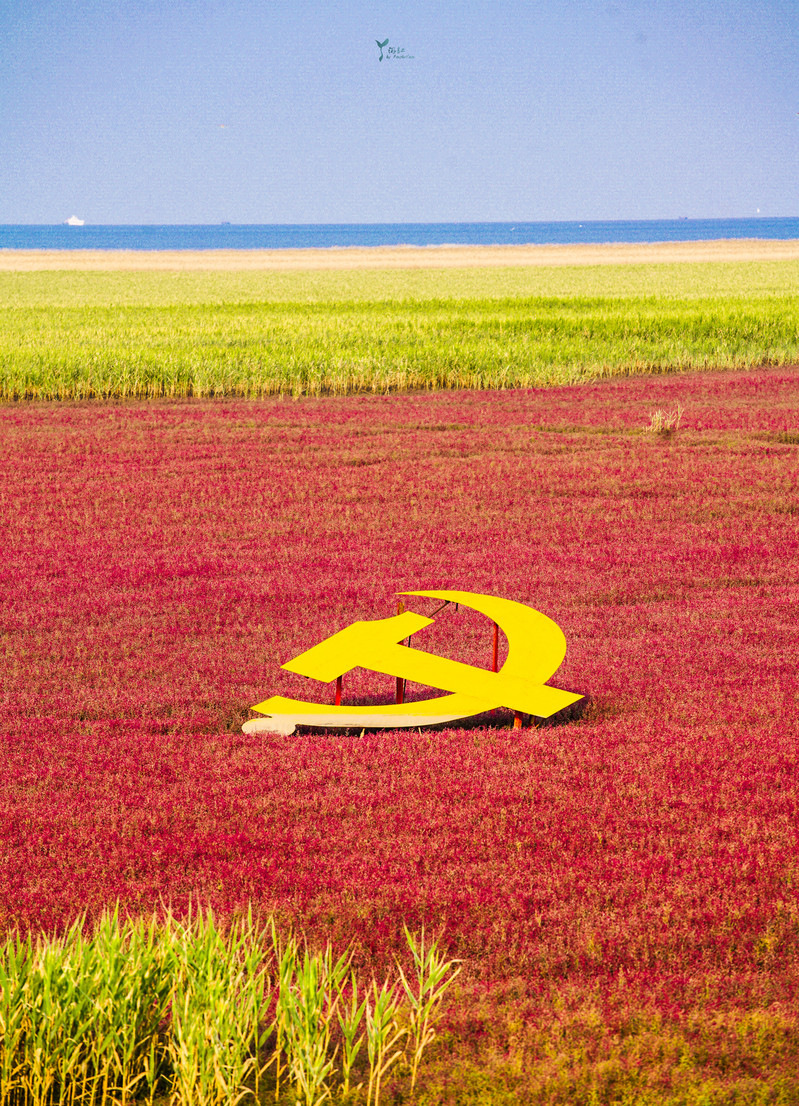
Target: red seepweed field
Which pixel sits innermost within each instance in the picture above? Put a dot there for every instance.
(621, 886)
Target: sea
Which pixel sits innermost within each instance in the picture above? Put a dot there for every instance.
(233, 236)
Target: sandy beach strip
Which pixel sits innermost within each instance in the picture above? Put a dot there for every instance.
(401, 257)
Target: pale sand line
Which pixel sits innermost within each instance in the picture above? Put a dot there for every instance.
(401, 257)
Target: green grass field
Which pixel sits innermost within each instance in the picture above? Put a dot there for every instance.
(77, 335)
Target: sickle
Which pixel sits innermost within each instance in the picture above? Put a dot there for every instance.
(536, 648)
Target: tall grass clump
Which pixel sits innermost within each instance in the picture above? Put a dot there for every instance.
(196, 1014)
(425, 990)
(665, 422)
(81, 1018)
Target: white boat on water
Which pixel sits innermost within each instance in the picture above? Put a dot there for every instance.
(74, 221)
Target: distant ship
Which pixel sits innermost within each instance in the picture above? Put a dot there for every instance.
(74, 221)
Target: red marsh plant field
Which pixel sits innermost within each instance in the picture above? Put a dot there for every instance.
(621, 887)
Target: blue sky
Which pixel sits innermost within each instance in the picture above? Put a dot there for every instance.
(199, 111)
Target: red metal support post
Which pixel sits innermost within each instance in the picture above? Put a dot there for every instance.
(400, 681)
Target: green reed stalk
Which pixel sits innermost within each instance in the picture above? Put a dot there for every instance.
(286, 956)
(90, 1011)
(178, 1011)
(310, 988)
(16, 956)
(383, 1036)
(256, 996)
(133, 984)
(307, 1030)
(434, 975)
(350, 1019)
(58, 1017)
(215, 1014)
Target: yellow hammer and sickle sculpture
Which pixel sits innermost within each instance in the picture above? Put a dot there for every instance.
(536, 648)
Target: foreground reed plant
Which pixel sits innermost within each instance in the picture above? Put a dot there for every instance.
(307, 999)
(352, 1037)
(384, 1036)
(665, 422)
(80, 1018)
(191, 1013)
(434, 975)
(217, 1009)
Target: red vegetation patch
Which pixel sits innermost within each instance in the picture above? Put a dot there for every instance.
(161, 560)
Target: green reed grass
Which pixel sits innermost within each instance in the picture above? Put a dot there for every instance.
(191, 1014)
(385, 1036)
(111, 335)
(217, 1008)
(350, 1019)
(685, 280)
(306, 1010)
(433, 976)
